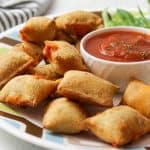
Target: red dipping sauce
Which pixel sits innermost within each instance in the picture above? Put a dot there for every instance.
(122, 46)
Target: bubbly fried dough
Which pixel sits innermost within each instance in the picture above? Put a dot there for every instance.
(64, 116)
(137, 95)
(38, 29)
(78, 23)
(77, 45)
(63, 56)
(31, 49)
(27, 90)
(119, 125)
(47, 71)
(62, 36)
(12, 63)
(86, 87)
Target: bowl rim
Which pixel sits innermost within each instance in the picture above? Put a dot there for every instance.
(110, 29)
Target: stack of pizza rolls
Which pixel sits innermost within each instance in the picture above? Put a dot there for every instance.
(47, 67)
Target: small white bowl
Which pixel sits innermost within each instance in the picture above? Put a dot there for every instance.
(119, 73)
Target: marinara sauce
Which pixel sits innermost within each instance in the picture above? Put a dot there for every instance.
(122, 46)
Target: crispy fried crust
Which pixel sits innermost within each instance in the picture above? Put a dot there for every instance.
(63, 56)
(137, 95)
(47, 71)
(38, 29)
(87, 88)
(119, 125)
(12, 63)
(78, 23)
(64, 116)
(62, 36)
(27, 90)
(35, 51)
(77, 45)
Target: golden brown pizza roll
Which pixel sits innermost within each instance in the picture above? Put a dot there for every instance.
(38, 29)
(77, 45)
(100, 26)
(62, 36)
(47, 71)
(27, 90)
(137, 95)
(78, 23)
(118, 125)
(64, 116)
(63, 56)
(31, 49)
(13, 62)
(86, 87)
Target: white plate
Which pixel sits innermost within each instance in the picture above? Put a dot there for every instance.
(33, 133)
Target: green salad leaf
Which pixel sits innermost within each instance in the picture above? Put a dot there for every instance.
(106, 18)
(2, 50)
(7, 109)
(123, 17)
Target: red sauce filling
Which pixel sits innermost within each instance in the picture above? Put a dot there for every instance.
(38, 76)
(48, 49)
(123, 46)
(23, 36)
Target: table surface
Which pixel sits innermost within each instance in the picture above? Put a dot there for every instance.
(9, 142)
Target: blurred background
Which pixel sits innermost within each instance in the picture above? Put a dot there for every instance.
(13, 12)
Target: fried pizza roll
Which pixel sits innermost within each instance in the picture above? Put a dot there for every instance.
(77, 45)
(47, 71)
(118, 125)
(78, 23)
(63, 56)
(63, 116)
(86, 87)
(38, 29)
(27, 90)
(137, 95)
(62, 36)
(31, 49)
(12, 63)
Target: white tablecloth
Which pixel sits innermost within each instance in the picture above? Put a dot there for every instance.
(9, 142)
